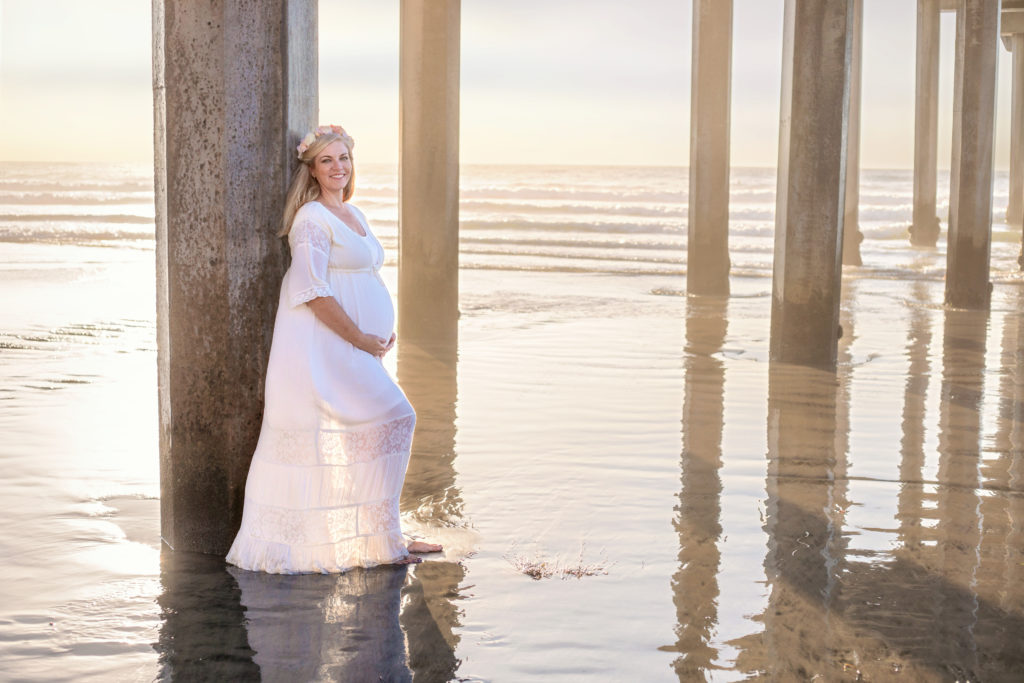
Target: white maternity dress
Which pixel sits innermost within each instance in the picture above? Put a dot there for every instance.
(323, 487)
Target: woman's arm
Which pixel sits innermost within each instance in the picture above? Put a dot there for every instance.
(330, 313)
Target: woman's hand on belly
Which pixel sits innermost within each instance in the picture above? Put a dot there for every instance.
(330, 313)
(373, 345)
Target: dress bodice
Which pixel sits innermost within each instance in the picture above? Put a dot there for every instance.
(351, 251)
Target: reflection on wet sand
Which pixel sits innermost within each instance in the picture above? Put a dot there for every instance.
(936, 605)
(385, 623)
(958, 530)
(800, 632)
(202, 633)
(912, 452)
(893, 525)
(1004, 515)
(428, 376)
(695, 584)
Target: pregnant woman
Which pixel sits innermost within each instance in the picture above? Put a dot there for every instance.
(323, 487)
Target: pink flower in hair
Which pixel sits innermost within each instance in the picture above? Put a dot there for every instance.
(317, 132)
(306, 142)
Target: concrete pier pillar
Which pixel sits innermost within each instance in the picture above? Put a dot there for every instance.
(811, 182)
(1015, 205)
(924, 230)
(852, 236)
(707, 249)
(234, 89)
(970, 196)
(428, 183)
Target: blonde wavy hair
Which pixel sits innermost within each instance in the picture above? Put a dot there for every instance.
(304, 187)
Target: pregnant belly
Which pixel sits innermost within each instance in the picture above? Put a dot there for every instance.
(369, 305)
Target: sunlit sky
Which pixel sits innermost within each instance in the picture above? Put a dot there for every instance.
(565, 82)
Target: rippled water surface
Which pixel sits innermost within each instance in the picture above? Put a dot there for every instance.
(626, 490)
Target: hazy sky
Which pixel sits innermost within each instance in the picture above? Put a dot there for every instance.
(543, 81)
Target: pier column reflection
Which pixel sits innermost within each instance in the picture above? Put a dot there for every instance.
(695, 583)
(429, 376)
(910, 503)
(1002, 510)
(203, 635)
(802, 534)
(959, 523)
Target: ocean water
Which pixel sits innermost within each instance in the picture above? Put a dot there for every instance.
(626, 490)
(615, 220)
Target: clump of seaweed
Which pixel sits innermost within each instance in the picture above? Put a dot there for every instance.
(539, 567)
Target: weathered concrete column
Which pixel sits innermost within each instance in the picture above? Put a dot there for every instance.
(852, 236)
(970, 196)
(811, 182)
(234, 89)
(428, 182)
(924, 230)
(707, 246)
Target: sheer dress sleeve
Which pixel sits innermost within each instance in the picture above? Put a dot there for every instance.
(307, 277)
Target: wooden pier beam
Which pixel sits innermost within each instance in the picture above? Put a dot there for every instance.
(811, 182)
(970, 197)
(707, 245)
(234, 89)
(428, 182)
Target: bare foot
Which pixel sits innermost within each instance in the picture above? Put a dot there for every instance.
(409, 559)
(422, 547)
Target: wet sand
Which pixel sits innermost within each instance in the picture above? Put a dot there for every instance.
(732, 520)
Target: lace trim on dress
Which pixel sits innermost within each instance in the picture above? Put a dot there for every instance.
(310, 232)
(310, 294)
(336, 447)
(363, 445)
(320, 526)
(311, 247)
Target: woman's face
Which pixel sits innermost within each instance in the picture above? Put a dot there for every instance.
(332, 167)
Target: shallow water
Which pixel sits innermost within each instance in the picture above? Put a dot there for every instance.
(689, 512)
(735, 520)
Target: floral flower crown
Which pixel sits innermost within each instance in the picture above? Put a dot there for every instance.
(323, 130)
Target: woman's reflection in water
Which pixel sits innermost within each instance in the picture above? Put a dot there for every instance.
(326, 627)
